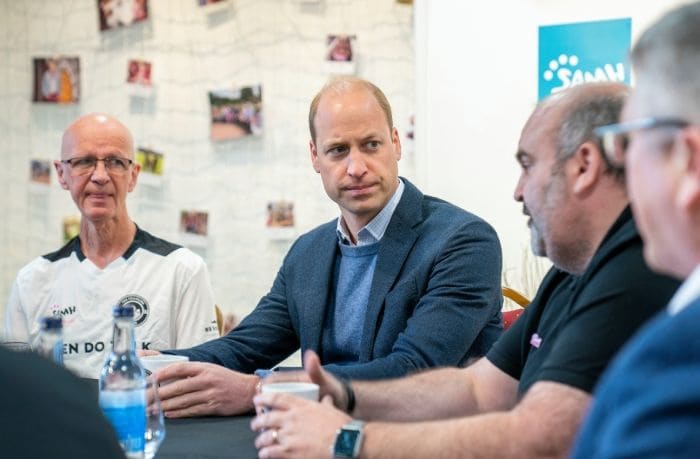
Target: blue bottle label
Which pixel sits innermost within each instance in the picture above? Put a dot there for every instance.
(126, 411)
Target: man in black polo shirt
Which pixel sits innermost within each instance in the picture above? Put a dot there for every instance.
(527, 397)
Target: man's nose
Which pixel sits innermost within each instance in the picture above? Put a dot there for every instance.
(99, 173)
(518, 192)
(356, 163)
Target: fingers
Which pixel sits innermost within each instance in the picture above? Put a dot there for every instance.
(276, 401)
(186, 401)
(327, 400)
(312, 365)
(270, 419)
(180, 370)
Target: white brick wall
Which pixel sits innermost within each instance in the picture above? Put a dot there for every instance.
(277, 43)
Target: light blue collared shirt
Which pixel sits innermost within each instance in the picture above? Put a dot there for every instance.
(686, 293)
(374, 230)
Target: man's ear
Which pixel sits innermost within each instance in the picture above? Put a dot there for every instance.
(59, 174)
(586, 166)
(686, 162)
(134, 176)
(396, 140)
(314, 156)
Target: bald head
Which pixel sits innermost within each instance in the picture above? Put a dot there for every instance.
(97, 125)
(344, 85)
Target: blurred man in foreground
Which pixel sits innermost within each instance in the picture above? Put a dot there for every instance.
(48, 412)
(527, 397)
(648, 404)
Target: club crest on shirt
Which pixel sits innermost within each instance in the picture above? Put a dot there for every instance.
(140, 305)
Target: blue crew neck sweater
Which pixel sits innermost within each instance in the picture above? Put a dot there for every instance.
(345, 319)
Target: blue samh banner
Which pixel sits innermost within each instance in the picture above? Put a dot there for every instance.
(571, 54)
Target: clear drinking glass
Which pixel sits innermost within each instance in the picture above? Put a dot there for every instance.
(155, 424)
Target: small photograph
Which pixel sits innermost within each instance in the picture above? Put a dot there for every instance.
(138, 72)
(57, 80)
(194, 222)
(411, 127)
(71, 228)
(236, 113)
(151, 161)
(280, 214)
(339, 48)
(120, 13)
(208, 2)
(40, 171)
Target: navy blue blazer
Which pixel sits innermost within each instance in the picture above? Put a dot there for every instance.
(435, 298)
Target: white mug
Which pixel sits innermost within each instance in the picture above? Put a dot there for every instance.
(306, 390)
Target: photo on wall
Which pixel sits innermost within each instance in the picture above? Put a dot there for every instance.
(236, 113)
(339, 48)
(121, 13)
(138, 72)
(71, 228)
(40, 171)
(56, 80)
(194, 222)
(280, 214)
(150, 160)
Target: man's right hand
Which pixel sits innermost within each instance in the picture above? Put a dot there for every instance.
(204, 389)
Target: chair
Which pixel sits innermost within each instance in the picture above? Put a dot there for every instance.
(509, 317)
(219, 319)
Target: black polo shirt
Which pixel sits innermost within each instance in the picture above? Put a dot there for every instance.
(576, 324)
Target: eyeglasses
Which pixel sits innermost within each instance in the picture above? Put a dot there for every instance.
(86, 164)
(615, 137)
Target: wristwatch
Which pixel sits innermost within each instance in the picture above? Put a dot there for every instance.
(348, 441)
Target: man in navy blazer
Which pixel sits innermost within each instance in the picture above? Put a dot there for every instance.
(400, 282)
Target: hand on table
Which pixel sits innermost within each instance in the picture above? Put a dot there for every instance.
(201, 389)
(291, 427)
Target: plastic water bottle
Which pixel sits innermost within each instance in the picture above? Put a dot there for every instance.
(122, 386)
(49, 343)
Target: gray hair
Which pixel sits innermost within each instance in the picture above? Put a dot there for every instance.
(666, 59)
(586, 114)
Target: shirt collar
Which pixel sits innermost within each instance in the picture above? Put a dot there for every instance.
(688, 291)
(374, 230)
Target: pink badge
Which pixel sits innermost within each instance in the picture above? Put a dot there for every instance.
(535, 340)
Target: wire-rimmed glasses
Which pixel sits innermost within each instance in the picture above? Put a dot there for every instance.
(84, 165)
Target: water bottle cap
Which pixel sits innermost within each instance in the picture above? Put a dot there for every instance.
(51, 323)
(123, 311)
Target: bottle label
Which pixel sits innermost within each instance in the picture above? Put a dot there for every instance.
(126, 411)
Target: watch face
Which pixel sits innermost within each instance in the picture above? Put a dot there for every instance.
(345, 443)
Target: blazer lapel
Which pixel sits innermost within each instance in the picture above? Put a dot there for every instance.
(317, 292)
(394, 247)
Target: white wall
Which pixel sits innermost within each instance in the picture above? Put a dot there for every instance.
(278, 43)
(476, 84)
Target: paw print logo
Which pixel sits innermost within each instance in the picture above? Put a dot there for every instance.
(559, 64)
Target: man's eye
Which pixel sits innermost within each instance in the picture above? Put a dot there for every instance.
(373, 144)
(83, 162)
(116, 163)
(337, 150)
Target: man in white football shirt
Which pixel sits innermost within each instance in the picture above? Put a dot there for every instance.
(112, 261)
